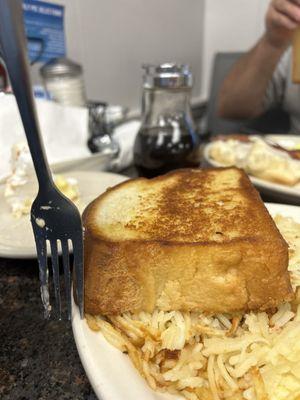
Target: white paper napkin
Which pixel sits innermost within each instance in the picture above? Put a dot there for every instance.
(64, 130)
(125, 135)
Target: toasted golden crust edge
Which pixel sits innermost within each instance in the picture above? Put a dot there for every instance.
(123, 277)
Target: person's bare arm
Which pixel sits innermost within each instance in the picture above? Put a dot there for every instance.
(243, 91)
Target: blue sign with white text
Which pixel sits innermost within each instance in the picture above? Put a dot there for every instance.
(44, 25)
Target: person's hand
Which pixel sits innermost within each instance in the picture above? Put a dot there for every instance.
(283, 17)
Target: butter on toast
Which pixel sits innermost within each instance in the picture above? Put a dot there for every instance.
(189, 240)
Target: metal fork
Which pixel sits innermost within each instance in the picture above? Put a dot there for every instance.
(54, 218)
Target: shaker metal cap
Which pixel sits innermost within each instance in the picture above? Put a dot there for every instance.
(60, 68)
(167, 75)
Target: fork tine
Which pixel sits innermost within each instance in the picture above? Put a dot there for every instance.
(41, 249)
(79, 273)
(67, 274)
(55, 269)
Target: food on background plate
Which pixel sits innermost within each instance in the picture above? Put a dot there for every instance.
(260, 158)
(148, 283)
(19, 203)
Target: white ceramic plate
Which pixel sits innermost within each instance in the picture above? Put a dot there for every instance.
(110, 372)
(277, 191)
(16, 237)
(93, 162)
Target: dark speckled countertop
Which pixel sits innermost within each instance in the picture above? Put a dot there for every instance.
(38, 358)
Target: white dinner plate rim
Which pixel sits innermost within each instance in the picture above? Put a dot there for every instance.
(73, 164)
(30, 253)
(86, 353)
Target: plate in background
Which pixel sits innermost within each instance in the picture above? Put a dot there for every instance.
(93, 162)
(16, 236)
(276, 191)
(111, 372)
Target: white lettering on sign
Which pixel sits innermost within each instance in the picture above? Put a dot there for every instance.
(43, 10)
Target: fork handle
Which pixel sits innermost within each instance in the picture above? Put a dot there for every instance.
(14, 51)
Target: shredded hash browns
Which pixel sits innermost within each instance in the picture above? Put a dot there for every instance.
(255, 356)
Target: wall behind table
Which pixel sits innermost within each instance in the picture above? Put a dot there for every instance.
(111, 39)
(230, 25)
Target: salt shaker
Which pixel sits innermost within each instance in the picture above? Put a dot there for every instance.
(63, 80)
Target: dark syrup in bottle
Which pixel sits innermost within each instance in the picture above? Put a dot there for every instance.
(160, 150)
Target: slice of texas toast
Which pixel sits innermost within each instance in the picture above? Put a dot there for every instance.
(189, 240)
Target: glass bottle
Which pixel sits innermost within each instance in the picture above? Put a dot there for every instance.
(167, 138)
(63, 80)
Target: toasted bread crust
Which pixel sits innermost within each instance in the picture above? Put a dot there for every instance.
(192, 266)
